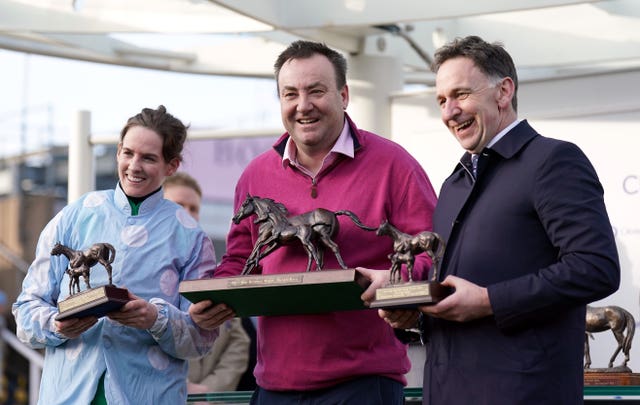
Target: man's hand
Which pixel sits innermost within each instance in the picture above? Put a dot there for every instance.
(378, 279)
(401, 318)
(137, 313)
(468, 302)
(209, 316)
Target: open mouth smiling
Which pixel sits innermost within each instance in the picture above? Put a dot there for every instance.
(307, 121)
(135, 179)
(464, 125)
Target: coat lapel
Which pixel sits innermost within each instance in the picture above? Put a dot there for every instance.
(458, 188)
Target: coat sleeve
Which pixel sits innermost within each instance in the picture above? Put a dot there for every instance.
(36, 306)
(568, 199)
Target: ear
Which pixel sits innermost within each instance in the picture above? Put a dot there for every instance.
(344, 93)
(506, 92)
(173, 166)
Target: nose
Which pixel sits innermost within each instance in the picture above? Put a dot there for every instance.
(304, 103)
(134, 163)
(449, 109)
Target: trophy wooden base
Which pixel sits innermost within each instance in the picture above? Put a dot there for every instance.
(600, 377)
(94, 302)
(410, 295)
(282, 294)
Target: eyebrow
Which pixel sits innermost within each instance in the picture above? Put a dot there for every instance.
(145, 154)
(310, 86)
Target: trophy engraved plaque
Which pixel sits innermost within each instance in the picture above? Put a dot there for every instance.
(93, 301)
(412, 293)
(282, 294)
(286, 293)
(622, 324)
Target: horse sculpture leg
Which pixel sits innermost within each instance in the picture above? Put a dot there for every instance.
(71, 279)
(304, 235)
(108, 268)
(620, 339)
(410, 267)
(395, 268)
(85, 275)
(587, 354)
(328, 242)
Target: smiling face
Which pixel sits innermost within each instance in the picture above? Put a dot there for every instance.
(473, 107)
(311, 105)
(141, 165)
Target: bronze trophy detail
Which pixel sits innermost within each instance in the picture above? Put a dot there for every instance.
(622, 324)
(278, 228)
(93, 301)
(412, 293)
(303, 292)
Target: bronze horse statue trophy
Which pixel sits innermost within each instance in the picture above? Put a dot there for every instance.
(81, 262)
(406, 246)
(611, 318)
(277, 228)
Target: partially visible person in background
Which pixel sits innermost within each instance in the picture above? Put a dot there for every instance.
(137, 354)
(183, 189)
(222, 368)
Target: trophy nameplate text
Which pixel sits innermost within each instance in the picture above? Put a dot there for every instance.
(97, 301)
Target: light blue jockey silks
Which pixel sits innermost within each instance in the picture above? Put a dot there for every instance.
(155, 250)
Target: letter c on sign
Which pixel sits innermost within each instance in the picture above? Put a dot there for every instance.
(631, 184)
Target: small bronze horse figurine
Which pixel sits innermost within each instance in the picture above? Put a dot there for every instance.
(406, 246)
(81, 262)
(611, 318)
(277, 228)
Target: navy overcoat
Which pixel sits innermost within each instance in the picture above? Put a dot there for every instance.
(534, 230)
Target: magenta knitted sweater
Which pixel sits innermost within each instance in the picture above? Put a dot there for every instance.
(382, 181)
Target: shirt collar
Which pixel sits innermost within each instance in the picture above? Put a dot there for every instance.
(343, 145)
(502, 133)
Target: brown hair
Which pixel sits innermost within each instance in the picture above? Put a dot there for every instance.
(492, 59)
(306, 49)
(172, 131)
(183, 179)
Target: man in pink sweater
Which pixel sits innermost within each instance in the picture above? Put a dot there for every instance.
(325, 161)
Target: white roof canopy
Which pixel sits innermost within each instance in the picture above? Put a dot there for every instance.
(547, 38)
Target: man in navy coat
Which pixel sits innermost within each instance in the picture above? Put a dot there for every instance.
(529, 244)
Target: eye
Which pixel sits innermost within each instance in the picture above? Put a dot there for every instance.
(462, 95)
(289, 95)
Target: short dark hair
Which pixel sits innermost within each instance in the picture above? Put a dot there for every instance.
(172, 131)
(491, 58)
(306, 49)
(183, 179)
